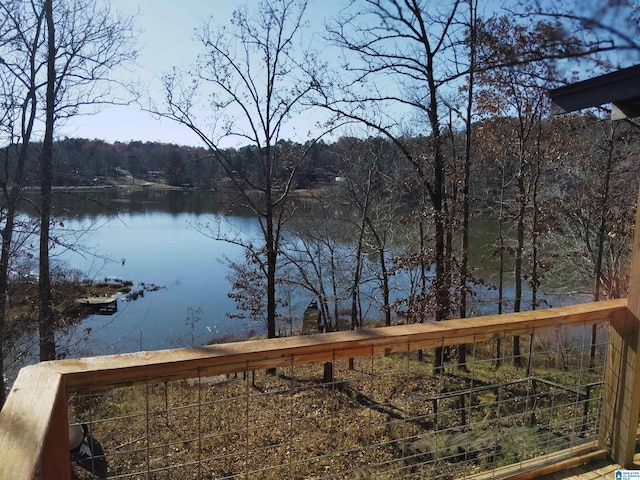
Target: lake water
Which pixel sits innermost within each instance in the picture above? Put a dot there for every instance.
(153, 238)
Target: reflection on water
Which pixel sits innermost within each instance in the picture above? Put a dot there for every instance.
(155, 238)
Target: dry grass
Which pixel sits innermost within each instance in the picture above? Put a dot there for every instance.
(385, 418)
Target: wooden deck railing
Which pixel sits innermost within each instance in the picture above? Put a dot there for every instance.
(34, 420)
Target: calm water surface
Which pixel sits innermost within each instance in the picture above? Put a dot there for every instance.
(156, 241)
(153, 238)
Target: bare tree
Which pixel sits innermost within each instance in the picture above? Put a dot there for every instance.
(597, 199)
(84, 42)
(605, 34)
(519, 91)
(412, 43)
(248, 87)
(57, 59)
(371, 188)
(20, 39)
(319, 260)
(466, 197)
(46, 323)
(466, 114)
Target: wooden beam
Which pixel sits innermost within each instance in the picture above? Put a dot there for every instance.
(100, 373)
(36, 397)
(618, 405)
(55, 461)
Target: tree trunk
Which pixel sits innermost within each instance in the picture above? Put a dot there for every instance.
(442, 293)
(535, 280)
(498, 361)
(334, 291)
(423, 280)
(46, 321)
(464, 263)
(384, 274)
(517, 299)
(441, 285)
(385, 289)
(7, 235)
(601, 239)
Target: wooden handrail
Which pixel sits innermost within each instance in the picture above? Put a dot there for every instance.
(33, 409)
(99, 373)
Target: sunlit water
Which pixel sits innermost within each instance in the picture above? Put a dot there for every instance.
(154, 239)
(168, 251)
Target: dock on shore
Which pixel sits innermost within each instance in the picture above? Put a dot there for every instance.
(100, 305)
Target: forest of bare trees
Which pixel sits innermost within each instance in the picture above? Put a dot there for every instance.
(433, 117)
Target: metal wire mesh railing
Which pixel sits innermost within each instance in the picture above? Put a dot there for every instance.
(375, 415)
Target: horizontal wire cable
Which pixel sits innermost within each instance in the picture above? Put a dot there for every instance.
(387, 417)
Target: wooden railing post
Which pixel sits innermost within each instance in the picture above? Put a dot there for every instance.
(33, 427)
(55, 460)
(621, 397)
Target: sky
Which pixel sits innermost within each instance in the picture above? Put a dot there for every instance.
(165, 40)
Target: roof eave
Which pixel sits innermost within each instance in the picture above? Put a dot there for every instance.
(621, 88)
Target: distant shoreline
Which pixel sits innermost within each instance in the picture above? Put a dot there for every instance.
(138, 186)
